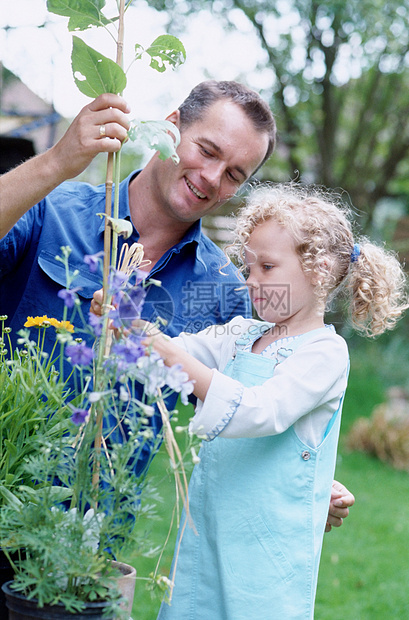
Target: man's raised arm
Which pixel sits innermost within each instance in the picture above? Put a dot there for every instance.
(101, 126)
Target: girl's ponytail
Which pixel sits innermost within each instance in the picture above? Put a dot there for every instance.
(321, 224)
(376, 286)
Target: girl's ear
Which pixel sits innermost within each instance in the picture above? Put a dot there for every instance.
(174, 118)
(314, 277)
(320, 268)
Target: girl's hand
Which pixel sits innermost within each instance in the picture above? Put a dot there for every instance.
(172, 354)
(149, 328)
(154, 339)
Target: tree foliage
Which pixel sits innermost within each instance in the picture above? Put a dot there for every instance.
(339, 88)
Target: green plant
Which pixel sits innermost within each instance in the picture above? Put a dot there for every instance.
(30, 405)
(80, 494)
(89, 498)
(95, 74)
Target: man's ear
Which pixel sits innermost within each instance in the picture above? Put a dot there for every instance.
(174, 118)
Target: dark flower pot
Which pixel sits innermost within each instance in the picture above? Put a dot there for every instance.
(6, 573)
(21, 608)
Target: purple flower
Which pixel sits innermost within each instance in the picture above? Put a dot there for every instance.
(187, 388)
(79, 416)
(151, 372)
(129, 307)
(115, 367)
(69, 296)
(131, 350)
(117, 280)
(141, 275)
(92, 260)
(80, 354)
(96, 323)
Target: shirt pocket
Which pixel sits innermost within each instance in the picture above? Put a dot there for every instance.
(86, 282)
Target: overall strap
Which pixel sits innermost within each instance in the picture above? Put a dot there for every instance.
(253, 333)
(299, 340)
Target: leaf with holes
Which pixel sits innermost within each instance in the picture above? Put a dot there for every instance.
(163, 136)
(95, 74)
(166, 51)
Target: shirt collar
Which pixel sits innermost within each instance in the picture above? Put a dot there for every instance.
(123, 211)
(192, 235)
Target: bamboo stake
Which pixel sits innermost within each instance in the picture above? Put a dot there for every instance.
(108, 236)
(110, 164)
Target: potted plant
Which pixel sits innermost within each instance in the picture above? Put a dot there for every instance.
(79, 498)
(72, 497)
(29, 406)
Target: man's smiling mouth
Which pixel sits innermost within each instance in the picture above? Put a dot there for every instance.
(195, 190)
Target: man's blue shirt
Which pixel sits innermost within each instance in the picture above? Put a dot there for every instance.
(198, 289)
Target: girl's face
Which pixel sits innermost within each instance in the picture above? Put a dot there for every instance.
(279, 289)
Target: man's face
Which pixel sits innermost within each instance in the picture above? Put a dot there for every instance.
(217, 154)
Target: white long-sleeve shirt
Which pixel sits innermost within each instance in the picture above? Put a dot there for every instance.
(304, 391)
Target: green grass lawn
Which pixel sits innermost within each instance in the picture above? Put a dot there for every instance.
(364, 572)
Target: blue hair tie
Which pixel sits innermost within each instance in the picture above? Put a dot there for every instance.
(356, 252)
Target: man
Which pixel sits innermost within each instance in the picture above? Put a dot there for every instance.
(227, 133)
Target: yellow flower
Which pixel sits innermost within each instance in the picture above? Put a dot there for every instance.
(66, 325)
(44, 321)
(37, 321)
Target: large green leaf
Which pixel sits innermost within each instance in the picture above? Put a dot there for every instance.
(163, 136)
(166, 51)
(11, 448)
(10, 498)
(95, 74)
(82, 13)
(55, 494)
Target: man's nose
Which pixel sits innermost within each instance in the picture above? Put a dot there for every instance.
(213, 173)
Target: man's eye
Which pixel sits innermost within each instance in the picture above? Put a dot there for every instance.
(268, 267)
(233, 178)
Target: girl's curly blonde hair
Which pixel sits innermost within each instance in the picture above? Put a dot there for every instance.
(320, 224)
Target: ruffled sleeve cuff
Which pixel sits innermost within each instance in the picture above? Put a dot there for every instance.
(222, 401)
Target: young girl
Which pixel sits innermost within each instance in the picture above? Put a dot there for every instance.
(270, 396)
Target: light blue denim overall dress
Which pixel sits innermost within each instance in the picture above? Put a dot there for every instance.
(259, 507)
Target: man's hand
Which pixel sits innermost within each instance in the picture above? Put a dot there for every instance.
(96, 302)
(100, 127)
(341, 501)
